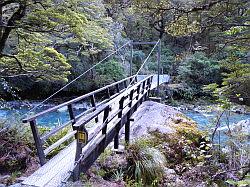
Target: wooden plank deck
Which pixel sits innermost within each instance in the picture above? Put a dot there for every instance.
(52, 173)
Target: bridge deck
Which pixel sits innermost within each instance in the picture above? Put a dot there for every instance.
(163, 79)
(57, 169)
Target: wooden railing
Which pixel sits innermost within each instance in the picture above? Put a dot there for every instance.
(115, 114)
(111, 91)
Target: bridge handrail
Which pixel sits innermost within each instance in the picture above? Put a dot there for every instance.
(40, 140)
(90, 140)
(31, 118)
(86, 119)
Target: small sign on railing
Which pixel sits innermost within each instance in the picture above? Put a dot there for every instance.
(82, 137)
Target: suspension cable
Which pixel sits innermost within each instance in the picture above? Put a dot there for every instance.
(144, 62)
(77, 78)
(64, 181)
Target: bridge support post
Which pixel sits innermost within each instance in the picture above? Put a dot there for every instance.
(127, 124)
(82, 139)
(116, 138)
(131, 59)
(38, 143)
(158, 62)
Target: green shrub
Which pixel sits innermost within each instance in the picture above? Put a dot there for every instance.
(197, 70)
(109, 72)
(146, 163)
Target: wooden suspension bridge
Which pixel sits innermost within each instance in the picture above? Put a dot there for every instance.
(91, 131)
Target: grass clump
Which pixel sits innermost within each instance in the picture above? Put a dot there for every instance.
(145, 162)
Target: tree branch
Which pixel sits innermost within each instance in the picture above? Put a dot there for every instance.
(17, 16)
(13, 56)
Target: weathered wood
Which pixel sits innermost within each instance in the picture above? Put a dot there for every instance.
(116, 138)
(89, 117)
(38, 142)
(108, 93)
(93, 103)
(54, 169)
(94, 150)
(118, 88)
(127, 125)
(72, 101)
(71, 114)
(113, 120)
(105, 121)
(59, 142)
(54, 131)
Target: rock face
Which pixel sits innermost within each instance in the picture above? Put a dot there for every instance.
(152, 116)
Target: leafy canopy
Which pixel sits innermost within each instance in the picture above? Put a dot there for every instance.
(35, 36)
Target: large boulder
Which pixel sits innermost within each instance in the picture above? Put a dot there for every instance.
(152, 116)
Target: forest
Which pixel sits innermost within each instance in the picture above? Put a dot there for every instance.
(204, 49)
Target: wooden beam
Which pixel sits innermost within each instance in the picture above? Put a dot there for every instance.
(59, 142)
(38, 142)
(72, 101)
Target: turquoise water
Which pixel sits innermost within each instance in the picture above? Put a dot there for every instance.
(207, 120)
(17, 110)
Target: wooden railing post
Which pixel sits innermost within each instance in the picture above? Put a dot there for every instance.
(108, 93)
(147, 88)
(117, 88)
(38, 142)
(71, 114)
(116, 138)
(127, 125)
(143, 90)
(143, 86)
(93, 103)
(82, 139)
(105, 117)
(125, 84)
(137, 95)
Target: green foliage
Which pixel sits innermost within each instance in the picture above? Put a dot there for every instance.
(53, 139)
(110, 71)
(168, 62)
(118, 175)
(42, 37)
(197, 70)
(146, 163)
(16, 147)
(236, 78)
(103, 157)
(183, 26)
(186, 148)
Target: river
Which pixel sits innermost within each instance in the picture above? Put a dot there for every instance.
(16, 110)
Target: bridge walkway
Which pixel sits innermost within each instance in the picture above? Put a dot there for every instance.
(58, 169)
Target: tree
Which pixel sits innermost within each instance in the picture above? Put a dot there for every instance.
(37, 36)
(198, 70)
